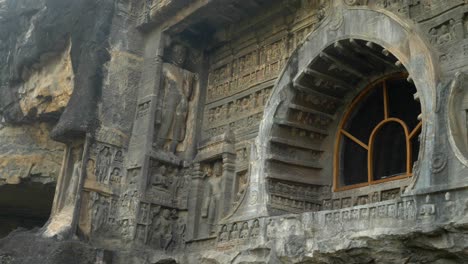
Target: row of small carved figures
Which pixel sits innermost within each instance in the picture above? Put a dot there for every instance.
(312, 119)
(317, 102)
(239, 106)
(361, 200)
(249, 62)
(293, 203)
(235, 233)
(231, 86)
(233, 126)
(400, 211)
(278, 188)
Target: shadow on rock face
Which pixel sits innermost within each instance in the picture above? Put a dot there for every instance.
(166, 261)
(25, 205)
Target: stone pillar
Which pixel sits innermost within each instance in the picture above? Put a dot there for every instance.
(229, 174)
(66, 206)
(195, 195)
(148, 94)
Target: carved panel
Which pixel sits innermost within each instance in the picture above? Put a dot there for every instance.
(142, 109)
(211, 205)
(294, 197)
(390, 194)
(167, 184)
(164, 230)
(310, 119)
(401, 210)
(425, 9)
(443, 33)
(240, 187)
(250, 62)
(246, 71)
(105, 165)
(100, 208)
(239, 233)
(242, 155)
(236, 109)
(246, 123)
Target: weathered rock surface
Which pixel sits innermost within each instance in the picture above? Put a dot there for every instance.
(28, 153)
(27, 247)
(33, 32)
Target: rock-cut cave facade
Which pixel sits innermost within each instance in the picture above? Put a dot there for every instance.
(234, 131)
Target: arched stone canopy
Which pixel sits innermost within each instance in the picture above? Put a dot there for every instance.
(348, 29)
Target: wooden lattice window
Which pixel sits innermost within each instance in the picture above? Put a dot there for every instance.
(377, 140)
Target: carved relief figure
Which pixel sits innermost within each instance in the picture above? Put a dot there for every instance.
(212, 193)
(223, 236)
(140, 234)
(178, 93)
(118, 156)
(159, 178)
(104, 162)
(255, 229)
(162, 230)
(90, 169)
(181, 227)
(143, 212)
(234, 233)
(445, 35)
(271, 229)
(242, 186)
(181, 187)
(125, 231)
(244, 232)
(115, 176)
(100, 211)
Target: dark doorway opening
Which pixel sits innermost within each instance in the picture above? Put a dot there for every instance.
(25, 205)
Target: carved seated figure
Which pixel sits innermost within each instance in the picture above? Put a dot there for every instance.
(255, 229)
(271, 229)
(224, 236)
(234, 233)
(244, 232)
(159, 179)
(445, 35)
(115, 176)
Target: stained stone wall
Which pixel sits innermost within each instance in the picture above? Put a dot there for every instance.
(205, 131)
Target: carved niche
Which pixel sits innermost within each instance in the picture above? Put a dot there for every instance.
(167, 184)
(240, 232)
(162, 228)
(294, 197)
(444, 33)
(211, 191)
(175, 114)
(104, 176)
(106, 166)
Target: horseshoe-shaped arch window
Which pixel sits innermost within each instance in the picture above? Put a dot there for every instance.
(377, 139)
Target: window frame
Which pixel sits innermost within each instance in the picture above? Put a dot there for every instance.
(409, 135)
